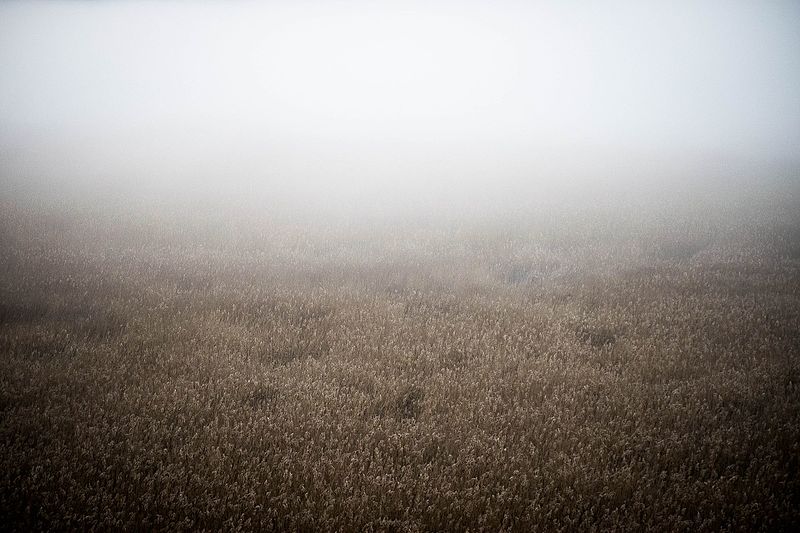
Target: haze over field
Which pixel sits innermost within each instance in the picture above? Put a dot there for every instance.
(363, 106)
(400, 266)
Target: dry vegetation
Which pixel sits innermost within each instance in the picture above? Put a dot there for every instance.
(576, 373)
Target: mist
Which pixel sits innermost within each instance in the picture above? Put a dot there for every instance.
(400, 266)
(415, 107)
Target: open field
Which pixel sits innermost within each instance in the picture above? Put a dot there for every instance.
(621, 369)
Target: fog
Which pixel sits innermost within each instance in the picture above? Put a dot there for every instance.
(386, 107)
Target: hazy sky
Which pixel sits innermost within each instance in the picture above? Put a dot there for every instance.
(331, 98)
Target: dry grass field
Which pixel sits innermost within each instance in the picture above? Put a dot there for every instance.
(612, 370)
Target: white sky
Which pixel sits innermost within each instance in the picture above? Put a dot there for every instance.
(332, 98)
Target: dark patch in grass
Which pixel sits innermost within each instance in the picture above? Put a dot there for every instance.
(456, 358)
(101, 326)
(6, 402)
(522, 273)
(21, 313)
(597, 337)
(263, 397)
(439, 450)
(405, 404)
(409, 402)
(518, 274)
(87, 322)
(37, 347)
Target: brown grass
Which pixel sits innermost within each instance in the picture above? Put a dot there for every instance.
(298, 378)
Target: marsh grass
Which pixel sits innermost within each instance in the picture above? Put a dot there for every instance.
(541, 378)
